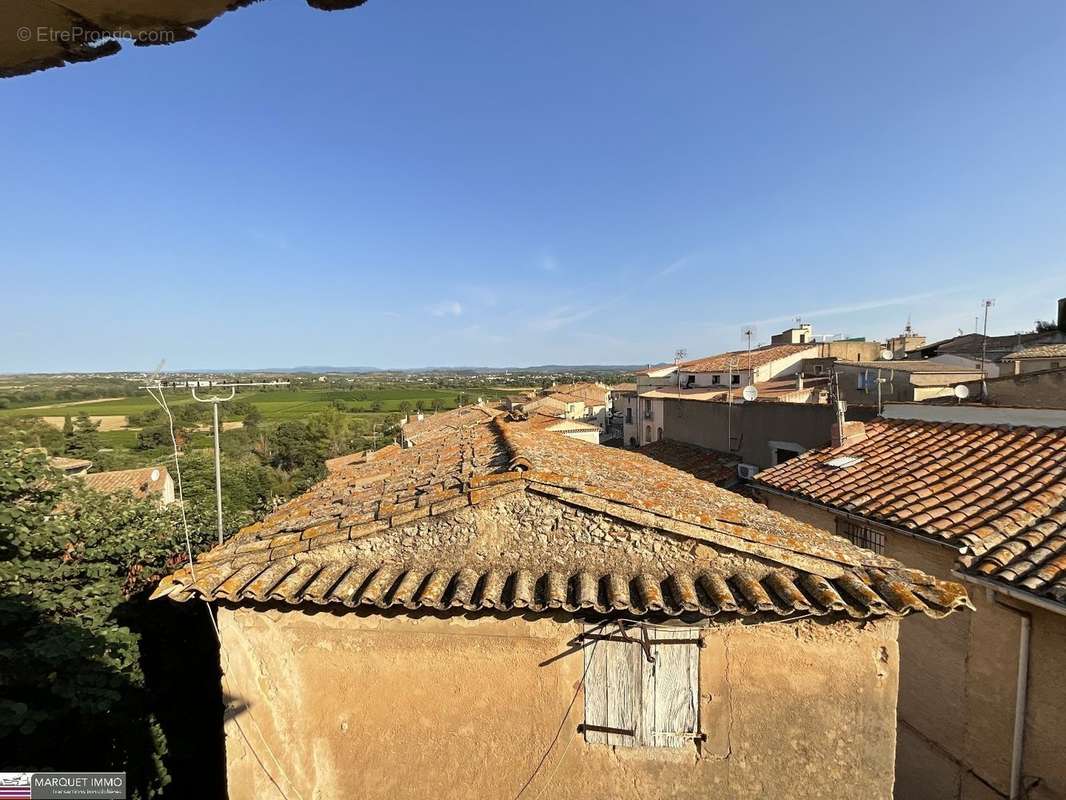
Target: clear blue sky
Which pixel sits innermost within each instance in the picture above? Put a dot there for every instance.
(445, 183)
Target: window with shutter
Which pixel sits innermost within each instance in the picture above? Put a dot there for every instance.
(631, 701)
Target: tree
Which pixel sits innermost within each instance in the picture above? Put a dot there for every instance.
(253, 418)
(376, 406)
(1045, 326)
(405, 407)
(68, 427)
(420, 405)
(334, 429)
(436, 404)
(75, 568)
(295, 448)
(83, 441)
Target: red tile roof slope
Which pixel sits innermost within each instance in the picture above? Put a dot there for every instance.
(309, 550)
(138, 481)
(707, 465)
(1042, 351)
(759, 357)
(445, 423)
(998, 491)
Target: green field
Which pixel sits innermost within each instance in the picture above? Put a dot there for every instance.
(281, 404)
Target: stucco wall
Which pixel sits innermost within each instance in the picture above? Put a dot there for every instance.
(957, 688)
(404, 707)
(1045, 389)
(753, 426)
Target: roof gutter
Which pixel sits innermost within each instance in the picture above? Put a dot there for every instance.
(761, 487)
(1010, 591)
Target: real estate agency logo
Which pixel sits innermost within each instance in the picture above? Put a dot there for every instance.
(15, 785)
(61, 785)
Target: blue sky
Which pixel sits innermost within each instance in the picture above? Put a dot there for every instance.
(416, 183)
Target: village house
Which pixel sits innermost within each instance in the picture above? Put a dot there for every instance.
(1044, 388)
(145, 483)
(872, 383)
(968, 492)
(1035, 359)
(793, 368)
(580, 621)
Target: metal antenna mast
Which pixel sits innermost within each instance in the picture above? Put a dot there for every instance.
(748, 332)
(214, 400)
(679, 356)
(987, 303)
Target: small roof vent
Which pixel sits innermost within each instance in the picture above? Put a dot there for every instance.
(840, 462)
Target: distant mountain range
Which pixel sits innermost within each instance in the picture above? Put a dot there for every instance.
(545, 368)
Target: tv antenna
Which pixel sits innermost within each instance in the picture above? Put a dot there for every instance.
(158, 385)
(679, 356)
(749, 331)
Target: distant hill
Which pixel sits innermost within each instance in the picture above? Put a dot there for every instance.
(542, 368)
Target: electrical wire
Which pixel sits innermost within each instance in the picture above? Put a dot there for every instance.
(161, 401)
(558, 732)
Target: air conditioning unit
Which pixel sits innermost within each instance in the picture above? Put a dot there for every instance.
(747, 471)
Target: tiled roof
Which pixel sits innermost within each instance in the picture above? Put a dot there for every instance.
(312, 550)
(445, 423)
(624, 387)
(590, 393)
(707, 465)
(739, 358)
(1033, 559)
(1043, 351)
(341, 462)
(996, 490)
(68, 464)
(142, 482)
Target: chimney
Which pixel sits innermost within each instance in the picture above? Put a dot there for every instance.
(1062, 315)
(850, 433)
(420, 416)
(799, 380)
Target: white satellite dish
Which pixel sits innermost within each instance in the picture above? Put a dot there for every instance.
(962, 391)
(886, 355)
(750, 393)
(155, 474)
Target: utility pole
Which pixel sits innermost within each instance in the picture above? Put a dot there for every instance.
(987, 303)
(214, 400)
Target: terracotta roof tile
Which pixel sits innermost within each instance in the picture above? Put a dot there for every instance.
(305, 552)
(998, 491)
(1042, 351)
(739, 358)
(141, 482)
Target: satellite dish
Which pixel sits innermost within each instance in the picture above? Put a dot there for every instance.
(750, 393)
(155, 475)
(886, 355)
(962, 391)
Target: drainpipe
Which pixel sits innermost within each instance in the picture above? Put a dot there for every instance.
(1019, 706)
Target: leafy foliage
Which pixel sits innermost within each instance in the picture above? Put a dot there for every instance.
(75, 568)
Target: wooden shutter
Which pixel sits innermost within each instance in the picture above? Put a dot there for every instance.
(630, 701)
(673, 707)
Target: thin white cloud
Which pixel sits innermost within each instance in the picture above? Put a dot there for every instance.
(565, 316)
(850, 308)
(447, 308)
(549, 264)
(674, 266)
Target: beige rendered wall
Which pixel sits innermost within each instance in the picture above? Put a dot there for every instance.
(958, 679)
(352, 706)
